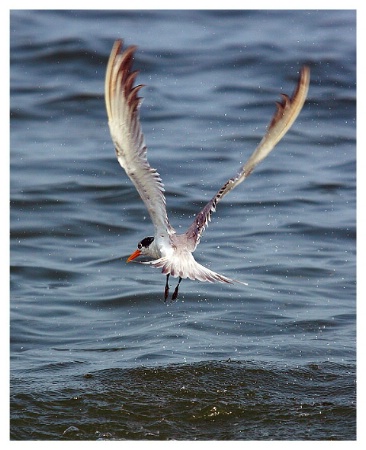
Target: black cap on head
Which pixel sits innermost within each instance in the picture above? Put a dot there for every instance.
(146, 242)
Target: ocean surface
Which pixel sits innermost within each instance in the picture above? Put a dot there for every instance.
(96, 353)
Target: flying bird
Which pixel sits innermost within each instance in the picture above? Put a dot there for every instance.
(167, 250)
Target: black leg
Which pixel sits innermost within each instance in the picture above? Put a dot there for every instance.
(175, 294)
(166, 287)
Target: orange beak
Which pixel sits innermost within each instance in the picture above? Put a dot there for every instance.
(134, 255)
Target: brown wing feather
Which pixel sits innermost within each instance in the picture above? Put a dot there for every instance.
(122, 104)
(287, 111)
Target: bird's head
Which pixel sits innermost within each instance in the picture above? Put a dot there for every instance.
(143, 249)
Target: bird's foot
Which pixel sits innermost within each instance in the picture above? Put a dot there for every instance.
(175, 293)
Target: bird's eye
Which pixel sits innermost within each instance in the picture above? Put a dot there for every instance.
(139, 246)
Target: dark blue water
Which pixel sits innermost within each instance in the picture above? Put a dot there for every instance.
(95, 351)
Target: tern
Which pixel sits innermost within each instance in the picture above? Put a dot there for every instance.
(167, 250)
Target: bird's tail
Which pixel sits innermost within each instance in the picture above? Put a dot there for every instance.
(191, 269)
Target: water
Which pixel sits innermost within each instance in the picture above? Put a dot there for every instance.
(95, 351)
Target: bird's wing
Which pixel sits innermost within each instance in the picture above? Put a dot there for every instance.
(122, 103)
(285, 115)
